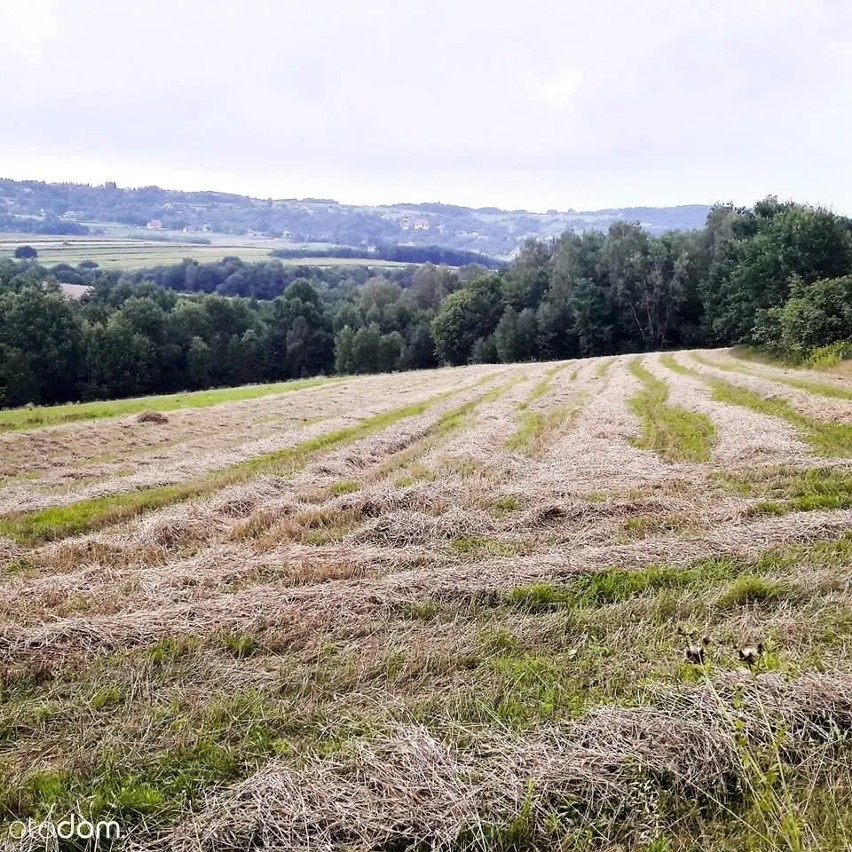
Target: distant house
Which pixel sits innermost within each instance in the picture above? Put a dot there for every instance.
(421, 224)
(405, 223)
(154, 225)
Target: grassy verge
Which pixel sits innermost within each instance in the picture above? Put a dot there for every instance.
(32, 418)
(59, 522)
(675, 434)
(827, 439)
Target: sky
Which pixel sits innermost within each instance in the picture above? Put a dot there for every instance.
(544, 104)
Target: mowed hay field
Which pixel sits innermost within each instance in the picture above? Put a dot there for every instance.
(441, 610)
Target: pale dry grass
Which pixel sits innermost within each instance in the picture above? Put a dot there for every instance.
(406, 785)
(743, 436)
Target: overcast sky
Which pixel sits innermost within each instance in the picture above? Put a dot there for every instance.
(537, 104)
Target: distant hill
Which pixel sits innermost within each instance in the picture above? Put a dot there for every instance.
(37, 207)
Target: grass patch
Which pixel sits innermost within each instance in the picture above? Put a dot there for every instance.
(788, 490)
(675, 434)
(59, 522)
(39, 417)
(537, 428)
(641, 526)
(752, 589)
(481, 546)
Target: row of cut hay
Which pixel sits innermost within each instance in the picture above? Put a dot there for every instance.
(482, 441)
(217, 434)
(807, 404)
(727, 358)
(77, 447)
(744, 437)
(596, 454)
(338, 605)
(25, 498)
(485, 443)
(408, 787)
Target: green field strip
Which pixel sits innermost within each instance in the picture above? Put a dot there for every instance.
(673, 433)
(818, 388)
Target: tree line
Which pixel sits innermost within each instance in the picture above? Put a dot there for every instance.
(776, 275)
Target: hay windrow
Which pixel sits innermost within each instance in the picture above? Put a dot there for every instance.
(407, 784)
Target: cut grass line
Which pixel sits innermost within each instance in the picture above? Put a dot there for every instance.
(675, 434)
(59, 522)
(826, 439)
(817, 388)
(675, 366)
(543, 387)
(448, 423)
(37, 418)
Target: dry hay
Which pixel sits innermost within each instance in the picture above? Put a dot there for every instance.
(151, 417)
(406, 786)
(403, 528)
(769, 371)
(596, 453)
(9, 551)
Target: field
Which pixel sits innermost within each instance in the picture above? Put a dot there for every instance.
(123, 252)
(461, 609)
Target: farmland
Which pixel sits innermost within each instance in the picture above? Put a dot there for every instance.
(445, 609)
(120, 251)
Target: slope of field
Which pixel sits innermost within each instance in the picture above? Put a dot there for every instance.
(456, 609)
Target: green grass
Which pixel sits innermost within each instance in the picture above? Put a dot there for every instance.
(59, 522)
(145, 250)
(790, 490)
(675, 434)
(144, 735)
(618, 585)
(30, 418)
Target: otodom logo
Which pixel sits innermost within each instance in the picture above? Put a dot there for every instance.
(73, 827)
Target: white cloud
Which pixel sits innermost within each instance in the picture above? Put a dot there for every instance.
(555, 90)
(25, 27)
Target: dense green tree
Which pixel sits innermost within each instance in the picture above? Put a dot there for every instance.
(199, 363)
(471, 313)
